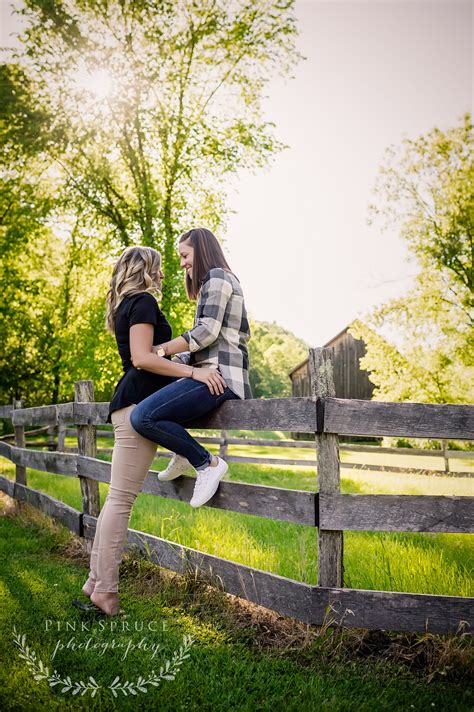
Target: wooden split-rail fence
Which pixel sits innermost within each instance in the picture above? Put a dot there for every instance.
(328, 510)
(56, 440)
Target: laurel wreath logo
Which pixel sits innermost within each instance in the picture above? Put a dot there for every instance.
(168, 671)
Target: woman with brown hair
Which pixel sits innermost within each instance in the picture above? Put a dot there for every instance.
(134, 317)
(218, 340)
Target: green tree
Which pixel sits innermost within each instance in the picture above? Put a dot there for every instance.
(427, 187)
(48, 257)
(154, 106)
(121, 122)
(26, 244)
(273, 352)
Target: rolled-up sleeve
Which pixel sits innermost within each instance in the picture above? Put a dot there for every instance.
(215, 293)
(182, 357)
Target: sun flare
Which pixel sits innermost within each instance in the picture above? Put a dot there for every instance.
(98, 82)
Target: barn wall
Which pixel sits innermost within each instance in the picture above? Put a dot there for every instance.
(349, 380)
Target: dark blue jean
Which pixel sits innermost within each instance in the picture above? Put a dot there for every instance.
(160, 416)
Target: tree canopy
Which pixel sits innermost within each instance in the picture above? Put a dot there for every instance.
(120, 123)
(152, 107)
(426, 187)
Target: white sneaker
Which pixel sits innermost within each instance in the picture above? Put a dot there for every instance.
(177, 466)
(207, 482)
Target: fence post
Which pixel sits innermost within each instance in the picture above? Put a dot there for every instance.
(444, 445)
(61, 437)
(330, 543)
(20, 471)
(87, 445)
(52, 430)
(223, 445)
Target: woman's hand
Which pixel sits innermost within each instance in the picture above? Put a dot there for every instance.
(212, 378)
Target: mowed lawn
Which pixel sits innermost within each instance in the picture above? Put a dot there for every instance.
(412, 562)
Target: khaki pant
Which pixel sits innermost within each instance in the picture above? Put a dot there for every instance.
(131, 459)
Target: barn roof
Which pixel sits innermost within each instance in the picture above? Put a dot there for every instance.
(326, 345)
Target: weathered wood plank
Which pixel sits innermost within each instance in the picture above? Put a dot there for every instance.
(91, 413)
(422, 420)
(386, 610)
(61, 512)
(59, 463)
(297, 414)
(271, 461)
(7, 450)
(20, 470)
(266, 442)
(6, 411)
(259, 500)
(47, 414)
(396, 513)
(86, 445)
(311, 604)
(378, 449)
(93, 468)
(330, 543)
(459, 454)
(7, 486)
(408, 470)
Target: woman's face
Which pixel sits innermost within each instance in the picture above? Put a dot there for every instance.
(186, 253)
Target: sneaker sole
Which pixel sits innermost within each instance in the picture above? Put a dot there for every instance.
(200, 504)
(170, 477)
(167, 478)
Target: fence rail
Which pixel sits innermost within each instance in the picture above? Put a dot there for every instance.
(56, 435)
(328, 509)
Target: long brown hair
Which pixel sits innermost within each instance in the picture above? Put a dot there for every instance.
(136, 270)
(207, 255)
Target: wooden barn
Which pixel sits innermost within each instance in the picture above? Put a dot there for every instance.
(350, 380)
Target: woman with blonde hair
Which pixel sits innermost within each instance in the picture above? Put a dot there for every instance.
(218, 340)
(134, 317)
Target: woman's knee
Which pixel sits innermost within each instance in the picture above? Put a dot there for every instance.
(120, 496)
(137, 419)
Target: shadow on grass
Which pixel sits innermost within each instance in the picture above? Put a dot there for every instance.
(245, 657)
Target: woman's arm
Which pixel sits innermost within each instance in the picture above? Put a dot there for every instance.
(143, 357)
(215, 293)
(175, 346)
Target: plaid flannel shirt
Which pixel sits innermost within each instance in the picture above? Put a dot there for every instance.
(221, 330)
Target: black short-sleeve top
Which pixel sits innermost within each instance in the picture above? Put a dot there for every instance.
(136, 385)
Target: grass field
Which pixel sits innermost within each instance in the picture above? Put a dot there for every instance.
(423, 563)
(241, 657)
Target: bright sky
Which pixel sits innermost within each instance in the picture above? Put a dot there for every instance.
(376, 71)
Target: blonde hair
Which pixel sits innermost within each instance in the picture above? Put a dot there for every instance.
(136, 270)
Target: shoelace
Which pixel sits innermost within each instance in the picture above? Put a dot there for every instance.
(201, 479)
